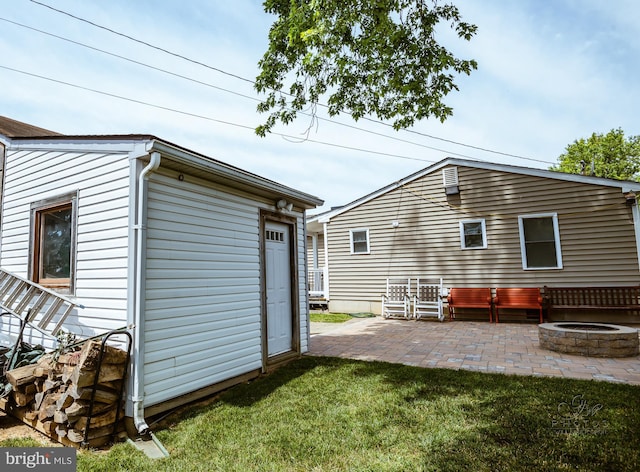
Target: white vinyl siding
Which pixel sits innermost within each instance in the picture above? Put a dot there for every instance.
(202, 305)
(319, 261)
(303, 293)
(101, 181)
(596, 228)
(202, 308)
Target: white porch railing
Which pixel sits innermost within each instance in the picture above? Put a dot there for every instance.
(316, 280)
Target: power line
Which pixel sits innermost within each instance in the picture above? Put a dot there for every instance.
(461, 144)
(180, 56)
(208, 118)
(133, 61)
(207, 84)
(451, 153)
(143, 42)
(113, 95)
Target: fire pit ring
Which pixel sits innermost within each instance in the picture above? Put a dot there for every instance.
(589, 339)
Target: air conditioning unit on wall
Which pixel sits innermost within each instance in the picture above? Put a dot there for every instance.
(450, 180)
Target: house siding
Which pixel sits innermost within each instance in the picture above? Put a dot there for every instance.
(202, 309)
(303, 294)
(203, 318)
(596, 233)
(319, 263)
(101, 182)
(316, 265)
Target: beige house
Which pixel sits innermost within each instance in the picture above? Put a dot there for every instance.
(477, 224)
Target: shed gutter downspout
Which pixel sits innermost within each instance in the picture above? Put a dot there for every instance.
(306, 271)
(140, 230)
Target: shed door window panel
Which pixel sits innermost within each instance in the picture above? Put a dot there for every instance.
(359, 241)
(53, 239)
(540, 242)
(277, 236)
(473, 234)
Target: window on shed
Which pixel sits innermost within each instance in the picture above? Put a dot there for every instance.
(473, 234)
(359, 241)
(53, 243)
(540, 241)
(277, 236)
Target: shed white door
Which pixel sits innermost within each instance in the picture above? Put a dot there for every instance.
(278, 283)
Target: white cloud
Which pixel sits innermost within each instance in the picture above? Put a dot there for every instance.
(549, 73)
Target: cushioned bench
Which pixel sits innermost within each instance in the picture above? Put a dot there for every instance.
(469, 298)
(593, 298)
(518, 298)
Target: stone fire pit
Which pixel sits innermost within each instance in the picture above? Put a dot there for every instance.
(589, 339)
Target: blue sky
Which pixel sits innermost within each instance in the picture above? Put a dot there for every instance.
(549, 72)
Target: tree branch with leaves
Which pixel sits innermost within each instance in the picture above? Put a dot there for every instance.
(374, 57)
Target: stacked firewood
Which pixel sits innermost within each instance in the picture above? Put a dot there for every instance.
(54, 395)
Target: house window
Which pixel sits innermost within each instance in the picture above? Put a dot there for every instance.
(473, 234)
(540, 241)
(53, 243)
(359, 241)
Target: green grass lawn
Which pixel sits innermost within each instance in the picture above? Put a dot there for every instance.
(329, 317)
(326, 414)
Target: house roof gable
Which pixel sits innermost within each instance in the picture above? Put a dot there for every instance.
(15, 129)
(548, 174)
(22, 135)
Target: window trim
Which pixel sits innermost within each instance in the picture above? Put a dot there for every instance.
(66, 286)
(556, 236)
(367, 240)
(463, 244)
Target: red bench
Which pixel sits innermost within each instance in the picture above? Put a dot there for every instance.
(518, 298)
(469, 298)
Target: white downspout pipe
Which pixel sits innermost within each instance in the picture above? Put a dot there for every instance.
(140, 230)
(314, 250)
(306, 279)
(325, 288)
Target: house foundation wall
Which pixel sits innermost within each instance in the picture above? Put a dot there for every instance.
(354, 306)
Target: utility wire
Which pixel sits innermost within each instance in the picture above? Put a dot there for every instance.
(207, 84)
(133, 61)
(419, 133)
(460, 144)
(208, 118)
(171, 53)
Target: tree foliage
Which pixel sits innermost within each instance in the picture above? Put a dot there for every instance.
(603, 155)
(371, 57)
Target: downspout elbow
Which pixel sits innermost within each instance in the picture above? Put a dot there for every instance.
(138, 418)
(153, 165)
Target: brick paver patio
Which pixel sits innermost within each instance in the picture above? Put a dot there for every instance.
(509, 348)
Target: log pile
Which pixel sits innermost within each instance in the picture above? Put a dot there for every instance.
(54, 395)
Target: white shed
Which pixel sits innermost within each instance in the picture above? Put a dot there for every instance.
(204, 262)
